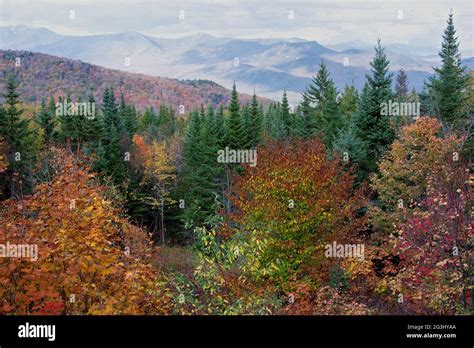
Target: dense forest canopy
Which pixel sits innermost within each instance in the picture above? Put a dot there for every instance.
(351, 202)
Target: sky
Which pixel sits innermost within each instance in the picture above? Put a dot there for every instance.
(413, 22)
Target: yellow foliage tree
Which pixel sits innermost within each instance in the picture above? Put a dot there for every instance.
(158, 170)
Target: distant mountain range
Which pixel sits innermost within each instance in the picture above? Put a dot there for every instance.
(42, 75)
(265, 65)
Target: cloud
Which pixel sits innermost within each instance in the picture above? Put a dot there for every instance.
(327, 21)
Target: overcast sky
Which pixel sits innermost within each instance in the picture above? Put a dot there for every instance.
(418, 22)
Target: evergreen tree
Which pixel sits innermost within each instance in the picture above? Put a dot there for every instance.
(349, 145)
(148, 119)
(256, 120)
(235, 129)
(112, 160)
(247, 126)
(448, 86)
(306, 119)
(401, 86)
(128, 115)
(79, 121)
(219, 126)
(16, 134)
(269, 120)
(285, 114)
(274, 124)
(46, 120)
(348, 102)
(92, 133)
(323, 92)
(202, 173)
(373, 126)
(65, 110)
(166, 121)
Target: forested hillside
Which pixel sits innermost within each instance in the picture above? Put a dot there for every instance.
(354, 202)
(41, 75)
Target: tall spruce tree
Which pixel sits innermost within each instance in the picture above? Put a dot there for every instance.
(14, 129)
(323, 92)
(401, 86)
(219, 126)
(46, 120)
(92, 127)
(256, 119)
(247, 126)
(285, 115)
(448, 87)
(306, 119)
(112, 161)
(236, 139)
(373, 126)
(128, 115)
(348, 103)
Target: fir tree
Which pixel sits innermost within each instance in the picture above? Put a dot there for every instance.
(235, 129)
(219, 126)
(374, 127)
(323, 92)
(112, 161)
(348, 102)
(92, 127)
(448, 86)
(16, 134)
(46, 120)
(401, 86)
(148, 119)
(285, 115)
(256, 120)
(306, 118)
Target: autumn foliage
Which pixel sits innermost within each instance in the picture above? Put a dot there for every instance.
(423, 213)
(90, 261)
(295, 201)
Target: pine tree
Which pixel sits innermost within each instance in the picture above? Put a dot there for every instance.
(348, 102)
(247, 126)
(323, 92)
(373, 127)
(219, 126)
(401, 87)
(112, 163)
(65, 118)
(110, 111)
(166, 121)
(254, 121)
(306, 121)
(92, 127)
(128, 116)
(320, 85)
(268, 121)
(148, 119)
(285, 115)
(278, 128)
(16, 134)
(235, 129)
(79, 121)
(349, 145)
(448, 86)
(46, 120)
(200, 180)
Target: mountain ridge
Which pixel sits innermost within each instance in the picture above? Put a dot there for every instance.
(225, 60)
(41, 75)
